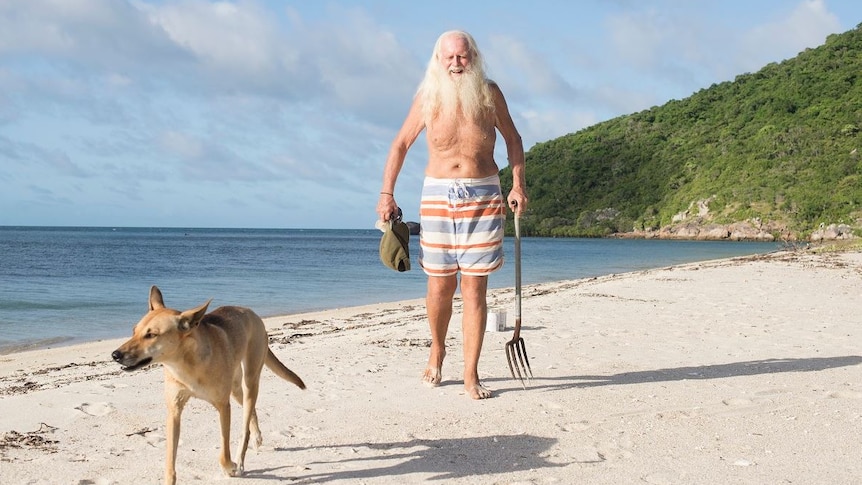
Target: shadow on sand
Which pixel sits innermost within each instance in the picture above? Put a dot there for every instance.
(714, 371)
(450, 459)
(444, 459)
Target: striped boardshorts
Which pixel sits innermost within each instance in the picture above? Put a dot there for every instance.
(461, 224)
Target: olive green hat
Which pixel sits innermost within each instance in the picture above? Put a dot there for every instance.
(394, 251)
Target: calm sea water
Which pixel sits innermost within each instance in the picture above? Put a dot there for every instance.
(67, 284)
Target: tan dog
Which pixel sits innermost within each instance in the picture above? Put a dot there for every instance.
(208, 356)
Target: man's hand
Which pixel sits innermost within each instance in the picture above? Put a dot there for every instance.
(386, 206)
(517, 202)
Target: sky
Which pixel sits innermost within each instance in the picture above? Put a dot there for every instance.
(279, 114)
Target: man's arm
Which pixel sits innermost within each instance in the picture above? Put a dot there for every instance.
(514, 151)
(410, 129)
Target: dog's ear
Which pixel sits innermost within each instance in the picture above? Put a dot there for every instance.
(156, 300)
(190, 319)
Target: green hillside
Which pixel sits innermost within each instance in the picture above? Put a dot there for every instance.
(777, 147)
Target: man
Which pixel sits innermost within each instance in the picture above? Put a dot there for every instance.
(462, 210)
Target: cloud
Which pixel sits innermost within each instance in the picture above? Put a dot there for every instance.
(232, 48)
(220, 88)
(225, 36)
(542, 101)
(206, 48)
(639, 37)
(536, 125)
(145, 105)
(363, 64)
(104, 34)
(807, 25)
(685, 49)
(526, 70)
(33, 160)
(206, 159)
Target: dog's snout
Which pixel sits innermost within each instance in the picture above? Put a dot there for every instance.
(117, 355)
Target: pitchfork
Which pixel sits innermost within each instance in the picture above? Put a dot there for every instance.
(515, 347)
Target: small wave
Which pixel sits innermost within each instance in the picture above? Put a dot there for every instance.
(24, 346)
(22, 305)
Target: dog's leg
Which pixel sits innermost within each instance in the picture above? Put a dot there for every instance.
(176, 400)
(248, 393)
(229, 467)
(254, 427)
(250, 425)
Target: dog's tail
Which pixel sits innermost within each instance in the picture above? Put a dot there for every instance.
(281, 370)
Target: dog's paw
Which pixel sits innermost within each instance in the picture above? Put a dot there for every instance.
(232, 470)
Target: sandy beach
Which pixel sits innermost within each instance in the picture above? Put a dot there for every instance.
(737, 371)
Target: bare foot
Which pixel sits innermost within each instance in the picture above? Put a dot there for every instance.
(477, 391)
(433, 374)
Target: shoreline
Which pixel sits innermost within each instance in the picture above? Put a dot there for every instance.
(48, 342)
(89, 298)
(738, 370)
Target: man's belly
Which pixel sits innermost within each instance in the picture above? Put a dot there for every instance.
(460, 168)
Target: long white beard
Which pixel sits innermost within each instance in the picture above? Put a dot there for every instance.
(444, 94)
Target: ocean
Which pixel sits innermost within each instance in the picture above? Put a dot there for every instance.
(64, 285)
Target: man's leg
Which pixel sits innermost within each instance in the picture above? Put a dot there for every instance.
(473, 292)
(438, 303)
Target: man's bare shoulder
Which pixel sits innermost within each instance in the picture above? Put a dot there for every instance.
(496, 92)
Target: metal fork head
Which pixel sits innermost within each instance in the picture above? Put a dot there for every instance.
(519, 364)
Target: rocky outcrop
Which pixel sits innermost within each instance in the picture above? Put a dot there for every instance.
(737, 231)
(832, 232)
(696, 223)
(740, 231)
(702, 210)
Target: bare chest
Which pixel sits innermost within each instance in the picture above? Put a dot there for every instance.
(464, 136)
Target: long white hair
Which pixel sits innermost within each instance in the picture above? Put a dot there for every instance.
(443, 95)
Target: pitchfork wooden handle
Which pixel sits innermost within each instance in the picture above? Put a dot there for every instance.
(517, 272)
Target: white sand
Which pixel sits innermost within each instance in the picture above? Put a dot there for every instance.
(742, 371)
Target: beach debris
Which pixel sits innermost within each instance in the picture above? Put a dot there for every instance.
(31, 439)
(141, 432)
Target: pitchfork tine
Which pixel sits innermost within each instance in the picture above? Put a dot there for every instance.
(516, 366)
(513, 365)
(525, 361)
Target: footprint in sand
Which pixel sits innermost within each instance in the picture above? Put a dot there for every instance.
(577, 426)
(846, 395)
(665, 477)
(114, 386)
(552, 405)
(771, 392)
(96, 409)
(156, 439)
(737, 402)
(299, 432)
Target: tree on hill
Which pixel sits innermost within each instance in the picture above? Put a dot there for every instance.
(777, 148)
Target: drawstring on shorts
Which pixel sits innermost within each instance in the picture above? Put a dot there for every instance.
(458, 190)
